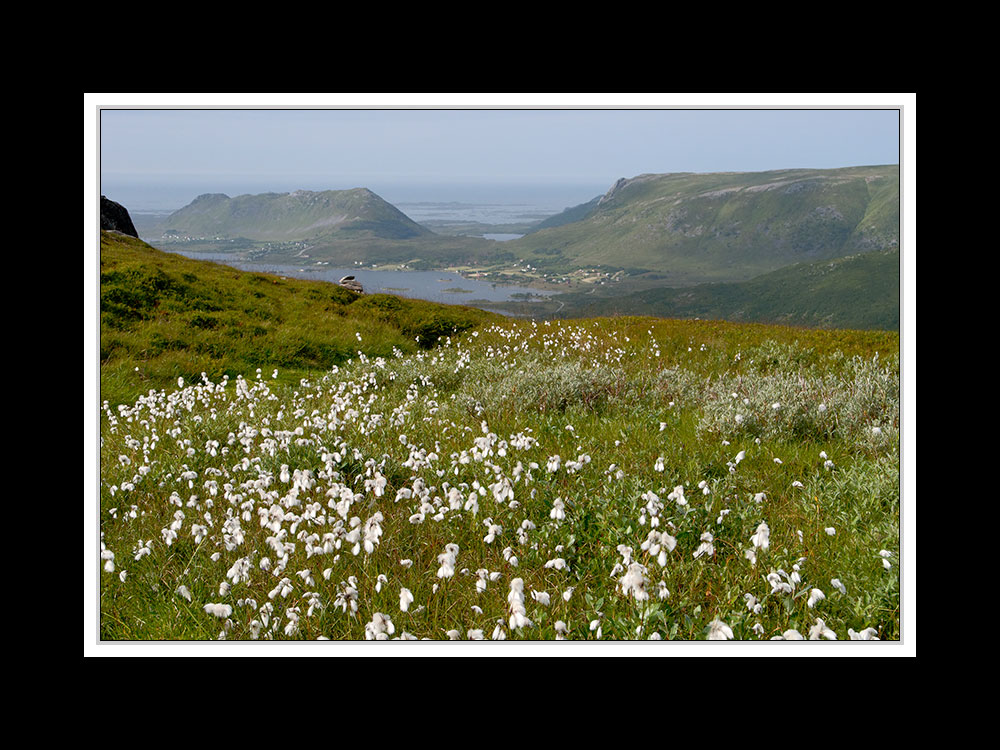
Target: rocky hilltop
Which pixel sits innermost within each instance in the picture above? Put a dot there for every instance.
(114, 217)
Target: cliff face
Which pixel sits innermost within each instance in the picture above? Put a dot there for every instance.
(114, 217)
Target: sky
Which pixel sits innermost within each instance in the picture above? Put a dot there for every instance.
(582, 148)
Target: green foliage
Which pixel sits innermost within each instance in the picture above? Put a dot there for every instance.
(726, 227)
(165, 316)
(632, 406)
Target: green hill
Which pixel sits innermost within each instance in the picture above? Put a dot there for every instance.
(567, 216)
(164, 316)
(859, 292)
(294, 216)
(732, 226)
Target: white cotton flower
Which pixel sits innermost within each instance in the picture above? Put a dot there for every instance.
(789, 635)
(558, 512)
(541, 597)
(706, 547)
(405, 599)
(221, 611)
(777, 585)
(820, 630)
(447, 560)
(830, 531)
(761, 538)
(557, 563)
(634, 582)
(719, 631)
(677, 495)
(380, 628)
(835, 582)
(815, 595)
(515, 600)
(868, 634)
(182, 590)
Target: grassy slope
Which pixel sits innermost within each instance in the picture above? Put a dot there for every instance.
(170, 316)
(633, 390)
(728, 226)
(859, 291)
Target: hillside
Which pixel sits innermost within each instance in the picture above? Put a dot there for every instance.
(688, 228)
(164, 316)
(592, 480)
(859, 292)
(567, 216)
(294, 216)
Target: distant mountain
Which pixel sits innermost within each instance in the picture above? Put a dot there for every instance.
(859, 291)
(727, 226)
(115, 217)
(568, 216)
(294, 216)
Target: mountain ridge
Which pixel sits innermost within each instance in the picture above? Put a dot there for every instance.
(724, 226)
(297, 215)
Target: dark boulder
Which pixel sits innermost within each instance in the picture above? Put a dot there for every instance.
(114, 217)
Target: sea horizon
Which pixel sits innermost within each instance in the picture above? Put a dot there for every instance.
(141, 194)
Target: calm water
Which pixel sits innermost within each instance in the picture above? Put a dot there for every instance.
(483, 203)
(428, 285)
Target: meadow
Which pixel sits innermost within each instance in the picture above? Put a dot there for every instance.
(589, 480)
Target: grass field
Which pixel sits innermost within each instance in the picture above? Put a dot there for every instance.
(607, 479)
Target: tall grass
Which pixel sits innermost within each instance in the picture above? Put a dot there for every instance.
(577, 480)
(164, 316)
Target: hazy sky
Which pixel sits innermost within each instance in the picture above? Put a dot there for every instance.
(590, 146)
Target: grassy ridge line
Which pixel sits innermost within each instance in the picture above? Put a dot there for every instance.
(164, 316)
(727, 226)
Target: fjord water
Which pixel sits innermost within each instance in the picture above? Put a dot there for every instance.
(481, 203)
(434, 286)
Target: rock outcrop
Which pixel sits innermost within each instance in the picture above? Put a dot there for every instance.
(349, 282)
(114, 217)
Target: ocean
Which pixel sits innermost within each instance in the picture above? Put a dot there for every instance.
(488, 203)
